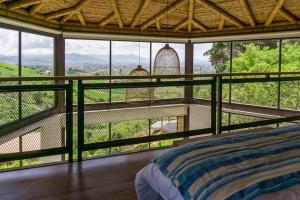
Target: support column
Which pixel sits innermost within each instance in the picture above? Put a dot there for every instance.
(188, 90)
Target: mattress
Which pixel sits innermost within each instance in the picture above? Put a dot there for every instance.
(263, 165)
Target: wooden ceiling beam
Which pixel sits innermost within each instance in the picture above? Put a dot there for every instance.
(139, 13)
(199, 25)
(180, 25)
(22, 4)
(222, 23)
(249, 14)
(220, 11)
(81, 18)
(117, 12)
(286, 14)
(72, 10)
(158, 25)
(35, 8)
(275, 10)
(163, 13)
(107, 19)
(2, 1)
(66, 18)
(191, 15)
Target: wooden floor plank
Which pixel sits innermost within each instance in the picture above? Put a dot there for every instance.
(106, 178)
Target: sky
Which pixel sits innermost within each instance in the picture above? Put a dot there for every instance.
(41, 45)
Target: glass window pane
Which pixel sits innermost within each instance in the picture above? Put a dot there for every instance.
(211, 57)
(86, 57)
(9, 40)
(127, 55)
(255, 56)
(179, 48)
(290, 55)
(37, 55)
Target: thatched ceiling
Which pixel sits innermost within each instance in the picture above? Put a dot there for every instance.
(182, 18)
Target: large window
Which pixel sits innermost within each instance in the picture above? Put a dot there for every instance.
(86, 57)
(25, 54)
(290, 53)
(9, 56)
(255, 56)
(127, 55)
(211, 57)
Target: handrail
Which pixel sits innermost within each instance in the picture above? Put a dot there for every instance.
(61, 78)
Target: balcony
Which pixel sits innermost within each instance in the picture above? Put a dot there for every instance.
(42, 122)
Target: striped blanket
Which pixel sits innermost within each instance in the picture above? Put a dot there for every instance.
(240, 166)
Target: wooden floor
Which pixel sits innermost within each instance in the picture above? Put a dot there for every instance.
(109, 178)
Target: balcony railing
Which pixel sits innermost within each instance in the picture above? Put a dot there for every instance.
(37, 113)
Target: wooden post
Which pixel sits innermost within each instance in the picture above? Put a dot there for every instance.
(189, 54)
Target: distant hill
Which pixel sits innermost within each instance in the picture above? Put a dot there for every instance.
(86, 61)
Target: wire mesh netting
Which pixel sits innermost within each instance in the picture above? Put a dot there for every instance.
(32, 121)
(262, 94)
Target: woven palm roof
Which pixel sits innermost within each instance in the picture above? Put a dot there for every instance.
(182, 18)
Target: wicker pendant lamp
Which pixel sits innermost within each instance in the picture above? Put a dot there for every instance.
(138, 94)
(166, 61)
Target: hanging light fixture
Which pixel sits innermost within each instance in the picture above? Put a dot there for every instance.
(166, 61)
(139, 94)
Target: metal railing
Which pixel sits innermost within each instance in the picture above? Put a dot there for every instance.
(64, 105)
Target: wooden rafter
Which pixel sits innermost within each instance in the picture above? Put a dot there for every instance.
(180, 25)
(107, 19)
(73, 10)
(22, 4)
(199, 25)
(1, 1)
(286, 14)
(248, 12)
(117, 12)
(163, 13)
(191, 15)
(35, 8)
(158, 25)
(66, 18)
(81, 18)
(275, 10)
(220, 11)
(222, 22)
(139, 13)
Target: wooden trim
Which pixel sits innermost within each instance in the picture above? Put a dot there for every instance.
(191, 15)
(117, 12)
(220, 11)
(286, 14)
(163, 13)
(35, 8)
(180, 25)
(158, 25)
(107, 19)
(139, 13)
(275, 10)
(22, 4)
(248, 12)
(222, 22)
(81, 18)
(67, 11)
(199, 25)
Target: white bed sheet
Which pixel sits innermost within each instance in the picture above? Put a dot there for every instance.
(152, 184)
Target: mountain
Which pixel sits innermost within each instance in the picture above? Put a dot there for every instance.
(76, 59)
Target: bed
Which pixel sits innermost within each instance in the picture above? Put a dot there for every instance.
(261, 165)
